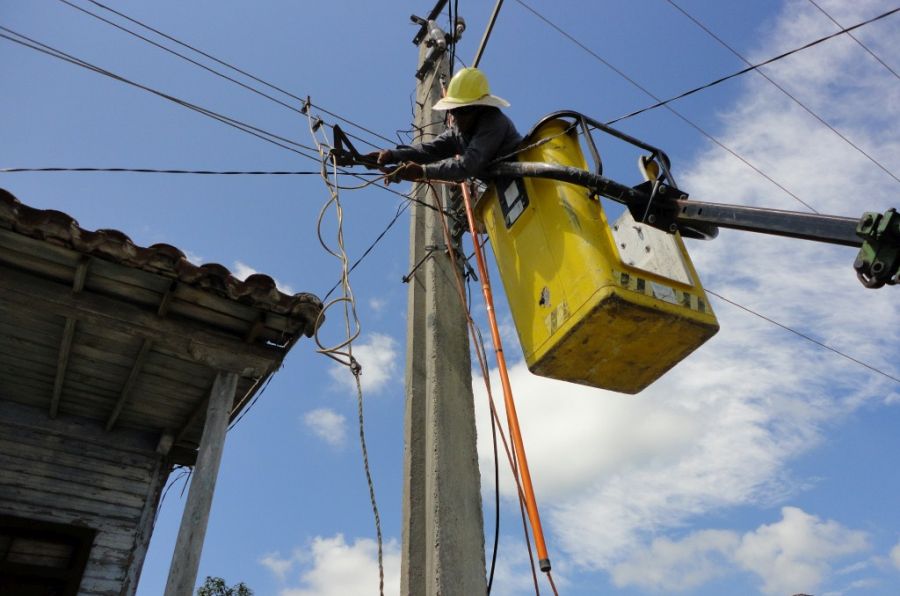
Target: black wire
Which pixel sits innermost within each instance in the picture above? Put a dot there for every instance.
(854, 38)
(453, 14)
(664, 102)
(487, 34)
(452, 47)
(224, 119)
(258, 132)
(400, 210)
(668, 107)
(183, 471)
(782, 89)
(156, 171)
(249, 129)
(252, 403)
(236, 69)
(182, 56)
(806, 337)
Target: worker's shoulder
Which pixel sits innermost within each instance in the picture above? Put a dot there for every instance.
(494, 118)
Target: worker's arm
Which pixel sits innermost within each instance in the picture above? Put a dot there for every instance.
(445, 145)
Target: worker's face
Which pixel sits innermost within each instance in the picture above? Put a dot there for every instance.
(465, 118)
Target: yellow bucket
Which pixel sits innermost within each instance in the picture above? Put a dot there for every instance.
(613, 307)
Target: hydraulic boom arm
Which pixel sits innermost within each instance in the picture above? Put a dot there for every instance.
(669, 209)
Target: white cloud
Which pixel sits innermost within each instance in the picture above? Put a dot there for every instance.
(277, 565)
(331, 567)
(242, 270)
(378, 357)
(327, 425)
(677, 566)
(193, 257)
(790, 556)
(793, 555)
(377, 304)
(721, 429)
(895, 555)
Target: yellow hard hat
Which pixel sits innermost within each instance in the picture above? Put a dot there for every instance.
(469, 87)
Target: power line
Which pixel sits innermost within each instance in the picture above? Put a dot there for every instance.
(390, 224)
(161, 171)
(854, 38)
(554, 26)
(780, 88)
(487, 33)
(806, 337)
(257, 132)
(247, 128)
(663, 104)
(203, 66)
(303, 100)
(182, 56)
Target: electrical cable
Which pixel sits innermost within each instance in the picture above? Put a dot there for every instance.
(782, 89)
(183, 471)
(252, 403)
(169, 171)
(665, 102)
(670, 108)
(400, 210)
(854, 38)
(242, 126)
(258, 132)
(238, 70)
(481, 354)
(452, 7)
(511, 416)
(182, 56)
(806, 337)
(487, 34)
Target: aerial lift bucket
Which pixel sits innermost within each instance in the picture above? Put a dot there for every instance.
(613, 307)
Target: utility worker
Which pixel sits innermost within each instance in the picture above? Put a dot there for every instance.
(480, 133)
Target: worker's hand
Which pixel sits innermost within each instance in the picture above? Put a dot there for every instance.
(405, 171)
(382, 158)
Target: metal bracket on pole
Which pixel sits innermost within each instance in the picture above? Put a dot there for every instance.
(436, 41)
(430, 249)
(423, 23)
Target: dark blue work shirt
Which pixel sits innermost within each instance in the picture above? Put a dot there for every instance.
(493, 136)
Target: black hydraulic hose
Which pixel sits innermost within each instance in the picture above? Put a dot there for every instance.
(594, 182)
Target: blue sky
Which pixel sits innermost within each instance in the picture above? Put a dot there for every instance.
(761, 464)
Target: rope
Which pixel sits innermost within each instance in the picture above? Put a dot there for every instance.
(343, 351)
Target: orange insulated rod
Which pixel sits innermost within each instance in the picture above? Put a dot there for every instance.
(512, 419)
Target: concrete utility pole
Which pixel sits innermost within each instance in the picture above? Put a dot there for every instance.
(443, 530)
